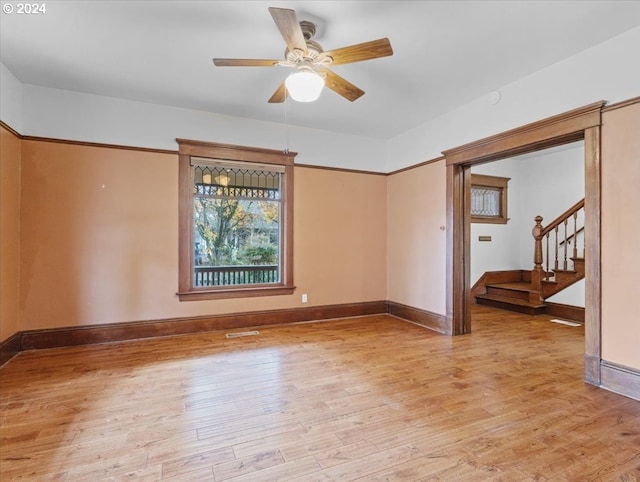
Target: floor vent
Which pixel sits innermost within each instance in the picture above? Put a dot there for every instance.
(242, 333)
(568, 323)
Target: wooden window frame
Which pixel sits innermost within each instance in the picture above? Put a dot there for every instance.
(492, 182)
(250, 155)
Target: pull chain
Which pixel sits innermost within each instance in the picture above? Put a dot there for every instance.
(286, 123)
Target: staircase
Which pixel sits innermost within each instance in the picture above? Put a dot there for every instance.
(558, 263)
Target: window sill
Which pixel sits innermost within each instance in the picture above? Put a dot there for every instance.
(488, 220)
(235, 292)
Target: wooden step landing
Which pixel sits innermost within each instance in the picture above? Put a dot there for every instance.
(511, 304)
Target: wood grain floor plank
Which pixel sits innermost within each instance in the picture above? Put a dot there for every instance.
(248, 465)
(340, 454)
(371, 398)
(292, 445)
(196, 460)
(365, 466)
(295, 469)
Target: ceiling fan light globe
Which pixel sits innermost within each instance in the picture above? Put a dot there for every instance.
(304, 86)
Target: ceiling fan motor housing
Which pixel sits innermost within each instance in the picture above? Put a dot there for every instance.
(314, 49)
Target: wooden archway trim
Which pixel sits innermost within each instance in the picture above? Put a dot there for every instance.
(578, 124)
(549, 132)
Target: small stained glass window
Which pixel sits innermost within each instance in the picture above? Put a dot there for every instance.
(488, 199)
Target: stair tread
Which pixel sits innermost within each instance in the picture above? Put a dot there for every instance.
(513, 301)
(515, 286)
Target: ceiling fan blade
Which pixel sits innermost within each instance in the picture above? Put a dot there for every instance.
(364, 51)
(245, 62)
(280, 95)
(289, 27)
(341, 86)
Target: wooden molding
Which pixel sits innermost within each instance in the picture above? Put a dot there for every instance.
(619, 105)
(592, 242)
(244, 292)
(105, 333)
(10, 129)
(567, 312)
(115, 332)
(341, 169)
(620, 379)
(415, 166)
(592, 370)
(458, 249)
(552, 131)
(232, 152)
(420, 317)
(85, 144)
(10, 348)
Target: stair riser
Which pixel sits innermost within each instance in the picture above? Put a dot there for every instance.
(505, 306)
(567, 277)
(518, 295)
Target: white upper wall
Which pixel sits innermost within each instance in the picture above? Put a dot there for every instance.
(10, 99)
(63, 114)
(609, 71)
(60, 114)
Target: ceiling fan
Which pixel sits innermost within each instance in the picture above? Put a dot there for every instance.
(309, 60)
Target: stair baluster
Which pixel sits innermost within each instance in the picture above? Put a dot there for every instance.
(555, 265)
(575, 235)
(546, 267)
(564, 260)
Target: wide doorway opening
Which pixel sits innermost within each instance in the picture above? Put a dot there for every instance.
(573, 126)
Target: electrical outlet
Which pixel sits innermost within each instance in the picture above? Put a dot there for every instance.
(304, 298)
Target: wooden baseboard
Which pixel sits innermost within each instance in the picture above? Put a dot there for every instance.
(620, 379)
(10, 348)
(613, 377)
(105, 333)
(420, 317)
(566, 312)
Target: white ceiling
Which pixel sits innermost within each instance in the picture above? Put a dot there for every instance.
(446, 53)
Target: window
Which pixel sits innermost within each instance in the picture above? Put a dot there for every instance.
(236, 236)
(489, 199)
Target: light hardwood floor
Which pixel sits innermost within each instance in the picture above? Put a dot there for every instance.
(372, 398)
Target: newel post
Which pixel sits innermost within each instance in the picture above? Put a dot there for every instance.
(536, 273)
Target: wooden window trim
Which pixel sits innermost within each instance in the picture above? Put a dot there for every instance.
(496, 182)
(200, 149)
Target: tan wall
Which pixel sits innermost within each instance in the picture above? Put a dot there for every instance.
(416, 205)
(340, 226)
(100, 240)
(91, 254)
(621, 236)
(9, 233)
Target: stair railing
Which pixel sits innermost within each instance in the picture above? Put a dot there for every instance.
(554, 240)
